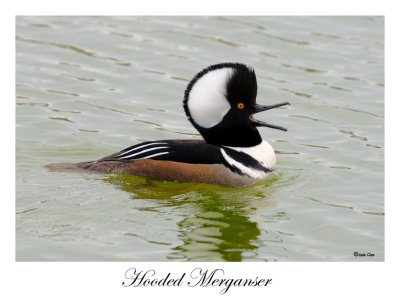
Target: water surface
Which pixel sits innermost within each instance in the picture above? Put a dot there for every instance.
(90, 86)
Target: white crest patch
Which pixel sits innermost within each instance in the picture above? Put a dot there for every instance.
(207, 102)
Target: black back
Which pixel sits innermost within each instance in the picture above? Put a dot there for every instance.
(184, 151)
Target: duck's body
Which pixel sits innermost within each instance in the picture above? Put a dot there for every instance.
(220, 103)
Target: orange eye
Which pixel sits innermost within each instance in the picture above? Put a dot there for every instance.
(240, 106)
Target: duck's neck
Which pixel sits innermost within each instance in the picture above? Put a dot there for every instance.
(232, 137)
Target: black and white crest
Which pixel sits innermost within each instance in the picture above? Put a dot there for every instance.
(214, 90)
(211, 101)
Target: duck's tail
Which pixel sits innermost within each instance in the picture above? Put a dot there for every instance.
(68, 167)
(90, 166)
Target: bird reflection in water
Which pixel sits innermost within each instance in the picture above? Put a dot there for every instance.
(219, 226)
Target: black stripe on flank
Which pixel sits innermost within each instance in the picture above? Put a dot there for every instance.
(234, 169)
(245, 159)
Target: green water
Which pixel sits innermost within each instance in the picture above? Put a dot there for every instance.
(90, 86)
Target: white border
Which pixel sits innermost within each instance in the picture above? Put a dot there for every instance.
(294, 284)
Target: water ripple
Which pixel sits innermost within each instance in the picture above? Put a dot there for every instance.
(285, 39)
(243, 22)
(62, 92)
(105, 107)
(205, 37)
(353, 135)
(308, 118)
(359, 111)
(76, 49)
(304, 68)
(61, 119)
(297, 93)
(315, 146)
(327, 203)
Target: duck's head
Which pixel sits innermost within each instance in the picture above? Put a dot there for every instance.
(220, 102)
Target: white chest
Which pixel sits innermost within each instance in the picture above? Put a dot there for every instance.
(263, 153)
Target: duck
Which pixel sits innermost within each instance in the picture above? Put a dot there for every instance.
(221, 103)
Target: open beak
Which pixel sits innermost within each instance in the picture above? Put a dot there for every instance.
(259, 108)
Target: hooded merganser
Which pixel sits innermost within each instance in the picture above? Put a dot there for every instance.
(220, 102)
